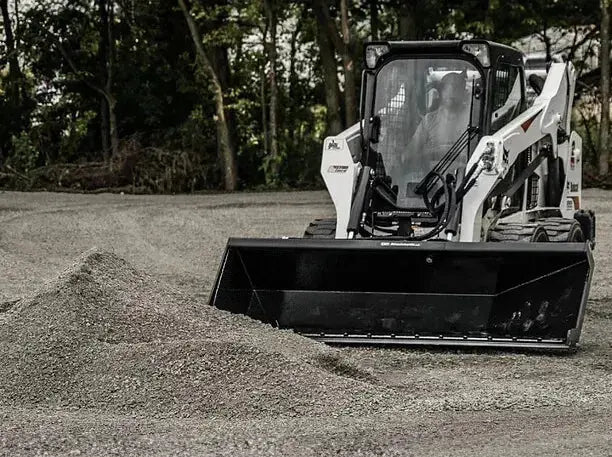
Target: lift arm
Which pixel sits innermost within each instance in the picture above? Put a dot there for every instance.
(495, 154)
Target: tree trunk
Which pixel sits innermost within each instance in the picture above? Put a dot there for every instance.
(112, 123)
(264, 109)
(350, 89)
(108, 150)
(330, 78)
(106, 61)
(590, 141)
(225, 147)
(604, 152)
(546, 40)
(264, 100)
(11, 51)
(406, 21)
(104, 91)
(342, 45)
(110, 66)
(271, 51)
(293, 81)
(104, 132)
(329, 40)
(374, 19)
(17, 23)
(221, 65)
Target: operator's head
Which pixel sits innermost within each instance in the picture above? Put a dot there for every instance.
(452, 89)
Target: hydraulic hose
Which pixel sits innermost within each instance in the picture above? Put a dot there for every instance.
(449, 205)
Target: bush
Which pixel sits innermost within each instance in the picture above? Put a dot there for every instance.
(24, 154)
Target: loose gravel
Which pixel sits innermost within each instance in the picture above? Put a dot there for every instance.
(123, 357)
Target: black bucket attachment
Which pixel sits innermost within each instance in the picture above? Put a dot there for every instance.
(400, 292)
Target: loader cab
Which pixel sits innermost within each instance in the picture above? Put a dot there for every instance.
(420, 99)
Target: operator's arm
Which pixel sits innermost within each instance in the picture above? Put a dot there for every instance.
(417, 142)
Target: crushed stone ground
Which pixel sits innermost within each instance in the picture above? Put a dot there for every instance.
(102, 355)
(105, 336)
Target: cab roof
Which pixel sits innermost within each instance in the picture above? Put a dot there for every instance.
(496, 50)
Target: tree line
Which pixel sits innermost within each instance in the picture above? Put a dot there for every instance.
(184, 95)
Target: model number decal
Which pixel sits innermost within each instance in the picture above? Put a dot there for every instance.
(337, 169)
(392, 243)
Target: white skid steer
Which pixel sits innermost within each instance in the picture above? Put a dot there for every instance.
(459, 217)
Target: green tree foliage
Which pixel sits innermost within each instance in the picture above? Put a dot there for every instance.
(116, 86)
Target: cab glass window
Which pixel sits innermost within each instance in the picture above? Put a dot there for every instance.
(507, 95)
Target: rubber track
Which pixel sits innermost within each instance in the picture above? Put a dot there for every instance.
(513, 231)
(321, 228)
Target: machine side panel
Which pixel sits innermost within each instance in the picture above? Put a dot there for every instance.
(340, 172)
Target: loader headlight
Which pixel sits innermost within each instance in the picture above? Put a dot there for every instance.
(373, 52)
(478, 50)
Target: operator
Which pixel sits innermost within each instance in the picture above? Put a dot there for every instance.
(439, 130)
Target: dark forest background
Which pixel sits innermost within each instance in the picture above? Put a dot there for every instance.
(186, 95)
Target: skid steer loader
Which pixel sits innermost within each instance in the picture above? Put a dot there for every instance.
(459, 217)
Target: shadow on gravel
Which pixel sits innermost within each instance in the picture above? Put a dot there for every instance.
(5, 306)
(600, 308)
(240, 205)
(482, 351)
(341, 367)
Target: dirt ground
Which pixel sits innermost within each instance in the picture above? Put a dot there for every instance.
(107, 348)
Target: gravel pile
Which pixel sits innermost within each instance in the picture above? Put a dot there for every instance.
(103, 335)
